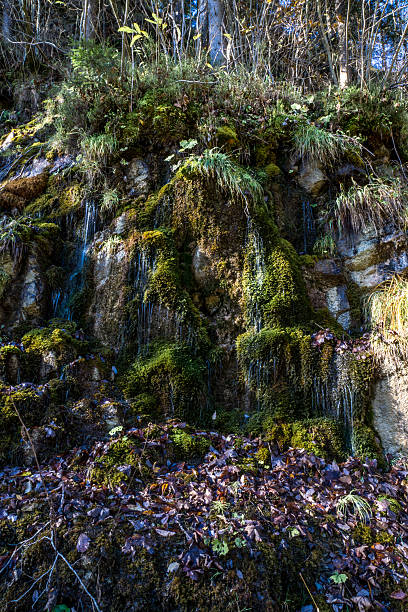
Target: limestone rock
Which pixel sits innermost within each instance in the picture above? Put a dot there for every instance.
(312, 178)
(138, 177)
(109, 265)
(390, 409)
(201, 267)
(338, 305)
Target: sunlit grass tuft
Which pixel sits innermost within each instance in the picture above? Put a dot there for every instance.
(387, 310)
(373, 205)
(229, 176)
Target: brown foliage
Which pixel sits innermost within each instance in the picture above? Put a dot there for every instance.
(19, 192)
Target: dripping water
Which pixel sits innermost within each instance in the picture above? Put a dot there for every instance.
(309, 229)
(61, 298)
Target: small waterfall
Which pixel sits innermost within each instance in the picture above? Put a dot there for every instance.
(89, 229)
(5, 166)
(143, 265)
(309, 228)
(336, 396)
(61, 298)
(163, 213)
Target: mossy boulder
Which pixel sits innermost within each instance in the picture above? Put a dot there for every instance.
(18, 192)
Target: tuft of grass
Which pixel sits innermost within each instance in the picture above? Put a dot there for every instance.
(373, 205)
(316, 144)
(355, 506)
(387, 310)
(325, 246)
(110, 201)
(229, 176)
(98, 147)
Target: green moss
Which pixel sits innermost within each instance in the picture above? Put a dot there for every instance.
(393, 503)
(364, 534)
(174, 376)
(46, 339)
(13, 402)
(188, 446)
(265, 153)
(120, 453)
(227, 137)
(145, 405)
(322, 437)
(55, 277)
(7, 350)
(60, 199)
(354, 295)
(4, 280)
(277, 365)
(272, 170)
(366, 444)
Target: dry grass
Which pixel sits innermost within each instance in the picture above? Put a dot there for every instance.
(319, 145)
(387, 310)
(372, 205)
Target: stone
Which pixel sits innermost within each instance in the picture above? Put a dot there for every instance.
(106, 310)
(49, 364)
(390, 409)
(120, 225)
(138, 177)
(339, 306)
(201, 266)
(312, 178)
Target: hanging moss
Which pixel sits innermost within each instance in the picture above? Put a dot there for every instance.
(60, 199)
(174, 376)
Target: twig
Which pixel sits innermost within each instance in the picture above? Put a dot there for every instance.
(308, 590)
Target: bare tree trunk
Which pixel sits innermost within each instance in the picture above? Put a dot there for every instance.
(326, 42)
(215, 19)
(6, 20)
(342, 15)
(89, 19)
(202, 27)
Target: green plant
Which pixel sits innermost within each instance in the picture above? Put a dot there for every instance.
(373, 204)
(386, 309)
(110, 201)
(230, 177)
(96, 148)
(325, 246)
(338, 578)
(319, 145)
(219, 506)
(355, 506)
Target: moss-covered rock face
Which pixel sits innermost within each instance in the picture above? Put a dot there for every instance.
(169, 382)
(197, 279)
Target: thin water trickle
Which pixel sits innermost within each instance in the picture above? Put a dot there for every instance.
(309, 228)
(61, 299)
(143, 266)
